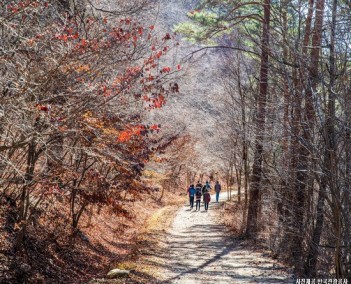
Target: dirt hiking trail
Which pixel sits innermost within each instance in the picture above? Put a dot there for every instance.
(198, 250)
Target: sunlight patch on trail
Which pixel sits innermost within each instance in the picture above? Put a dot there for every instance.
(198, 250)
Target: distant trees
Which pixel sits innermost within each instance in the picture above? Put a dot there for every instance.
(299, 189)
(234, 132)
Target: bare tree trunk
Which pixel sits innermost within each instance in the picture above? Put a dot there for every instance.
(231, 179)
(252, 216)
(228, 183)
(332, 149)
(24, 200)
(284, 188)
(290, 196)
(246, 173)
(312, 256)
(162, 193)
(329, 164)
(238, 179)
(304, 151)
(347, 198)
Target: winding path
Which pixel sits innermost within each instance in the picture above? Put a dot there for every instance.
(198, 250)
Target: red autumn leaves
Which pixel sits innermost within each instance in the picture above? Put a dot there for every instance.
(137, 131)
(127, 32)
(67, 35)
(42, 107)
(146, 80)
(167, 37)
(22, 5)
(168, 69)
(156, 101)
(194, 12)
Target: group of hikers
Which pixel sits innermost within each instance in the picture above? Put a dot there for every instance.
(198, 191)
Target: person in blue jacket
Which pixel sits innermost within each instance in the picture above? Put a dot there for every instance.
(191, 191)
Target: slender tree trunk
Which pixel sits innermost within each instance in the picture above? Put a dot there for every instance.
(284, 188)
(244, 143)
(252, 216)
(238, 178)
(298, 77)
(231, 180)
(244, 134)
(304, 151)
(162, 193)
(347, 199)
(329, 168)
(246, 173)
(24, 200)
(312, 256)
(228, 182)
(331, 154)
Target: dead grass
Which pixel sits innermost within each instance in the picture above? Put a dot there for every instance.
(104, 241)
(150, 240)
(232, 215)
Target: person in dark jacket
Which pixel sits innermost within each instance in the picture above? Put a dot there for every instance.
(217, 190)
(198, 195)
(206, 187)
(207, 199)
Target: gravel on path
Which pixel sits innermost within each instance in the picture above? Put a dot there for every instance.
(199, 250)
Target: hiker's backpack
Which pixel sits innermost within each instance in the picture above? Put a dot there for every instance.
(207, 197)
(198, 194)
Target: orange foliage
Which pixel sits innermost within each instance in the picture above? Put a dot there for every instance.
(127, 134)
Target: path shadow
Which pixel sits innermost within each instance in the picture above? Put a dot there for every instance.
(208, 252)
(222, 247)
